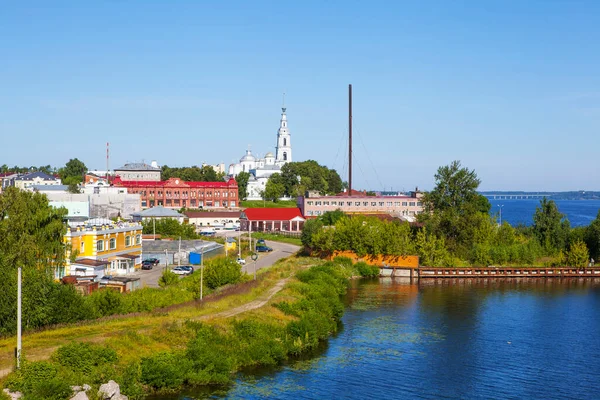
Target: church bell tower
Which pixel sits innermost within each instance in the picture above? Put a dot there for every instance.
(283, 153)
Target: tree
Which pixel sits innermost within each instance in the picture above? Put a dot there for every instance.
(31, 236)
(578, 254)
(222, 271)
(74, 169)
(169, 227)
(274, 189)
(242, 180)
(550, 226)
(310, 228)
(299, 177)
(455, 187)
(331, 217)
(455, 211)
(592, 237)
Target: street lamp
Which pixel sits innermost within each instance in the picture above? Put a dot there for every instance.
(500, 207)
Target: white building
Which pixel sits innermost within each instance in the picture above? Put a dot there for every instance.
(27, 181)
(139, 172)
(261, 169)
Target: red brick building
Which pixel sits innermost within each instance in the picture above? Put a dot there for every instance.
(175, 193)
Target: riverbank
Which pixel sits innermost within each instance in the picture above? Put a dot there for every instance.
(271, 319)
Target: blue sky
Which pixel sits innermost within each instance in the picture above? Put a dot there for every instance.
(510, 88)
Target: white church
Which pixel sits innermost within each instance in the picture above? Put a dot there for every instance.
(262, 168)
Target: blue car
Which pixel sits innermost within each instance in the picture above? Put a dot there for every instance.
(263, 249)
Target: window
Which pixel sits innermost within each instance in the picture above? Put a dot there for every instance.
(82, 247)
(381, 204)
(404, 204)
(284, 141)
(127, 241)
(216, 204)
(325, 203)
(284, 156)
(357, 203)
(397, 203)
(412, 204)
(373, 203)
(348, 203)
(113, 243)
(334, 203)
(310, 203)
(365, 203)
(317, 203)
(100, 245)
(389, 203)
(138, 239)
(309, 213)
(224, 204)
(419, 204)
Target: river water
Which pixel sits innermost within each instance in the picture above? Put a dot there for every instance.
(492, 339)
(515, 212)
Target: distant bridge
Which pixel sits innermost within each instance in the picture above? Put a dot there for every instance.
(515, 196)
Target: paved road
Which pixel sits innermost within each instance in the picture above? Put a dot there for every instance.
(280, 250)
(150, 278)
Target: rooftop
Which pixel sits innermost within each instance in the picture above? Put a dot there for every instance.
(158, 212)
(271, 214)
(137, 167)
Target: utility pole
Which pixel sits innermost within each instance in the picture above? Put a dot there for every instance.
(201, 271)
(19, 318)
(240, 243)
(154, 228)
(166, 259)
(179, 253)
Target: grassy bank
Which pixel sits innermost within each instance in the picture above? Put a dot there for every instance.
(268, 204)
(192, 344)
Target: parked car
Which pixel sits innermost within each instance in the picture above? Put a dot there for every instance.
(241, 261)
(263, 249)
(180, 271)
(153, 261)
(147, 265)
(188, 268)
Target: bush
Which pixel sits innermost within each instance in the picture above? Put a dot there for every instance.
(84, 357)
(211, 355)
(222, 271)
(164, 370)
(366, 270)
(343, 261)
(106, 301)
(168, 278)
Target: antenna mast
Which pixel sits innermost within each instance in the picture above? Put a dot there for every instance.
(349, 140)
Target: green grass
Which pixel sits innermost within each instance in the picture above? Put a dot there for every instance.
(268, 204)
(277, 238)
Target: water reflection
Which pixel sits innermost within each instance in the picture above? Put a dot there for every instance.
(460, 338)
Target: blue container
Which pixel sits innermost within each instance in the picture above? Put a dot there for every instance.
(195, 258)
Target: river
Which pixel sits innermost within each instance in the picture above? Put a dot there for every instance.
(493, 339)
(515, 212)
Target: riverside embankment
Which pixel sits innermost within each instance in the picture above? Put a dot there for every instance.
(289, 310)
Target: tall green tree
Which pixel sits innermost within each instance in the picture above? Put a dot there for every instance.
(31, 237)
(550, 226)
(242, 181)
(274, 189)
(72, 172)
(592, 238)
(455, 211)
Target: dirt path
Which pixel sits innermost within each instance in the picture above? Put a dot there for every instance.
(44, 353)
(253, 305)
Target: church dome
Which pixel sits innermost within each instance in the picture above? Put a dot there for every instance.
(269, 155)
(248, 157)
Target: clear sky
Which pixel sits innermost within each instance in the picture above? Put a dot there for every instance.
(510, 88)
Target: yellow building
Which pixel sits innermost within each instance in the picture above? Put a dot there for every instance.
(102, 247)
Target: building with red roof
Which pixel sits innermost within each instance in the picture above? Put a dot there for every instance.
(271, 219)
(176, 193)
